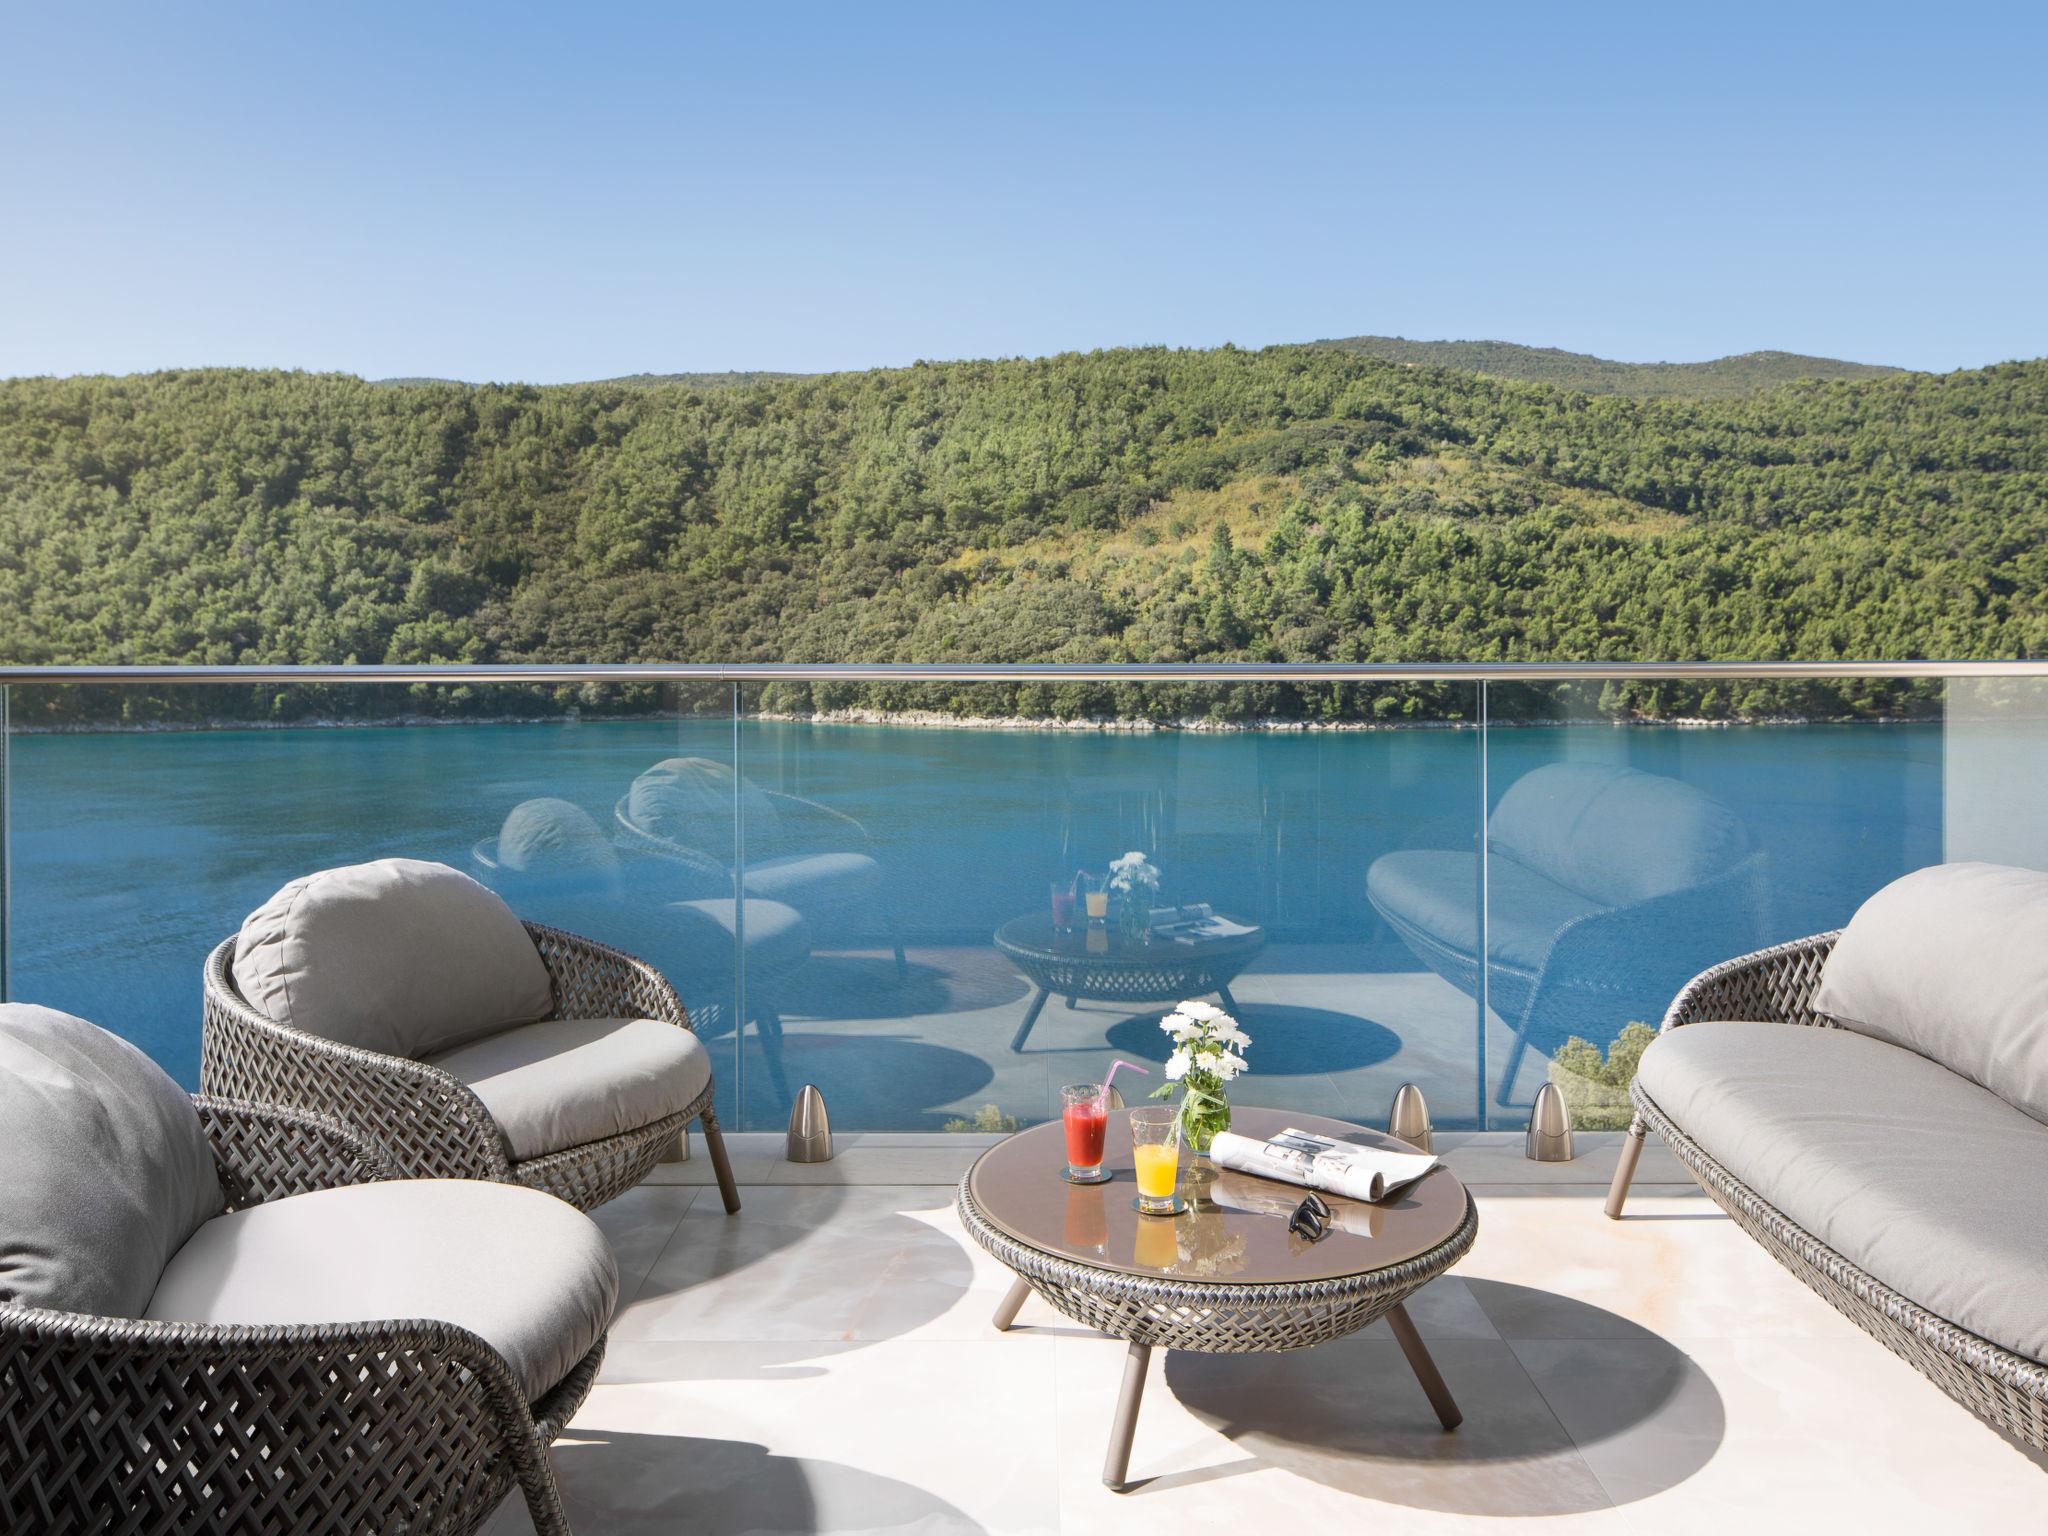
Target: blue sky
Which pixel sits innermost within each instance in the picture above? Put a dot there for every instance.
(565, 192)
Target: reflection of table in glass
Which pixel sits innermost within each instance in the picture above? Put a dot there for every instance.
(1227, 1277)
(1104, 965)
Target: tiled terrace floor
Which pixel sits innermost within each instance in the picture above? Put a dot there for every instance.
(824, 1362)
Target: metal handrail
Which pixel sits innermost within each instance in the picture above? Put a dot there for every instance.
(1033, 672)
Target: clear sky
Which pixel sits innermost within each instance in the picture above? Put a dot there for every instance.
(574, 191)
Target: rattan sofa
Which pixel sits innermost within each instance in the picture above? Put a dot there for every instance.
(1778, 986)
(113, 1423)
(423, 1118)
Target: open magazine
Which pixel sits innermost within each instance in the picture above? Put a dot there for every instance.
(1321, 1163)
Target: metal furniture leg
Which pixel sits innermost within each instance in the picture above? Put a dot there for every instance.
(1006, 1313)
(1625, 1170)
(1030, 1018)
(714, 1143)
(1425, 1369)
(1124, 1427)
(1229, 1002)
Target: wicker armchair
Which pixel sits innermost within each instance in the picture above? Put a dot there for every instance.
(117, 1424)
(425, 1122)
(2007, 1390)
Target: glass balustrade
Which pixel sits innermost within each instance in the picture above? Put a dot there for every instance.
(855, 889)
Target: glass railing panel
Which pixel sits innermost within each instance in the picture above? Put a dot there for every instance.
(917, 945)
(1625, 854)
(147, 823)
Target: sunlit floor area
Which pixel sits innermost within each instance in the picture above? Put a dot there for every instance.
(824, 1361)
(1337, 1029)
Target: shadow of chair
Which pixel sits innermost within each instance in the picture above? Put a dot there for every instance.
(1606, 888)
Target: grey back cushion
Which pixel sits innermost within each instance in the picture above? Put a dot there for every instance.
(104, 1171)
(1951, 961)
(398, 956)
(689, 801)
(554, 837)
(1615, 835)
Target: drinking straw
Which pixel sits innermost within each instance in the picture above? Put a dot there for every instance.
(1110, 1077)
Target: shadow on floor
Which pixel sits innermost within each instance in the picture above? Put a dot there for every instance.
(637, 1485)
(1541, 1415)
(867, 986)
(871, 1082)
(1287, 1041)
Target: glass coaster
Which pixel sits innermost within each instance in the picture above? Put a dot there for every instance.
(1139, 1205)
(1096, 1175)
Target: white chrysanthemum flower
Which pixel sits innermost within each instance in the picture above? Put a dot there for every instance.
(1201, 1013)
(1228, 1066)
(1179, 1027)
(1177, 1065)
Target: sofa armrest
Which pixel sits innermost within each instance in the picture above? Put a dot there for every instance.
(596, 981)
(1774, 985)
(266, 1152)
(417, 1118)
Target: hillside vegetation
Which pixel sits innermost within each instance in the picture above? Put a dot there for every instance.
(1720, 379)
(1297, 504)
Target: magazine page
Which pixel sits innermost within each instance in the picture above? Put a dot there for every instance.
(1322, 1163)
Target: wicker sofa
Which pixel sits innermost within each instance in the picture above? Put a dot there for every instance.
(223, 1318)
(1891, 1147)
(407, 1001)
(1606, 888)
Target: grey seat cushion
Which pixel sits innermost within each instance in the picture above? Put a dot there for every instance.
(1615, 835)
(399, 956)
(1917, 1176)
(813, 882)
(778, 938)
(567, 1082)
(104, 1170)
(1952, 961)
(1437, 893)
(529, 1274)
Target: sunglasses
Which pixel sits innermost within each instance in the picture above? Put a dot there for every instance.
(1311, 1219)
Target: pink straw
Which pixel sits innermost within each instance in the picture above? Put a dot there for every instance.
(1110, 1077)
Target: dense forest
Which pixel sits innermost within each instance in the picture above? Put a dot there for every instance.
(1719, 379)
(1292, 504)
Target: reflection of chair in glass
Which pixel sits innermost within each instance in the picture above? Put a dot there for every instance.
(553, 862)
(406, 1000)
(796, 851)
(228, 1317)
(1606, 888)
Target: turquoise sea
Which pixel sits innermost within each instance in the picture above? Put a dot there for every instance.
(132, 854)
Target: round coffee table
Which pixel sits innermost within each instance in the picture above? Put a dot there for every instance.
(1227, 1277)
(1105, 966)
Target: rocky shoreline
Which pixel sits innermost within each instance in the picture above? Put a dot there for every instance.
(930, 720)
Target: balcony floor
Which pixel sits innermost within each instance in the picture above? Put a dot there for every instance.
(824, 1362)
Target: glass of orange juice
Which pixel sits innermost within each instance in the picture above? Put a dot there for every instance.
(1155, 1152)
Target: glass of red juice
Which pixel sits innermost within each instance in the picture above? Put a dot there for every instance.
(1085, 1116)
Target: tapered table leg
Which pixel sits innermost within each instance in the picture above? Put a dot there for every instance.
(1006, 1314)
(1425, 1369)
(1117, 1461)
(1625, 1170)
(1030, 1018)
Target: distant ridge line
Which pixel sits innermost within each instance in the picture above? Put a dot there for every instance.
(1719, 378)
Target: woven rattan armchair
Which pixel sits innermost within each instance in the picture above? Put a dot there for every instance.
(115, 1424)
(425, 1122)
(1778, 984)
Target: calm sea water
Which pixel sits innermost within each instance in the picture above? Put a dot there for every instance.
(131, 855)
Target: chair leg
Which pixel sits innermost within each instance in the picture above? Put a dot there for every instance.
(1625, 1170)
(714, 1143)
(543, 1499)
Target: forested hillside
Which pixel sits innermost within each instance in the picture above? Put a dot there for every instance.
(1719, 379)
(1297, 504)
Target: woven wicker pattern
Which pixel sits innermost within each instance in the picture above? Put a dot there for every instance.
(418, 1118)
(1777, 985)
(110, 1425)
(1774, 985)
(1212, 1318)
